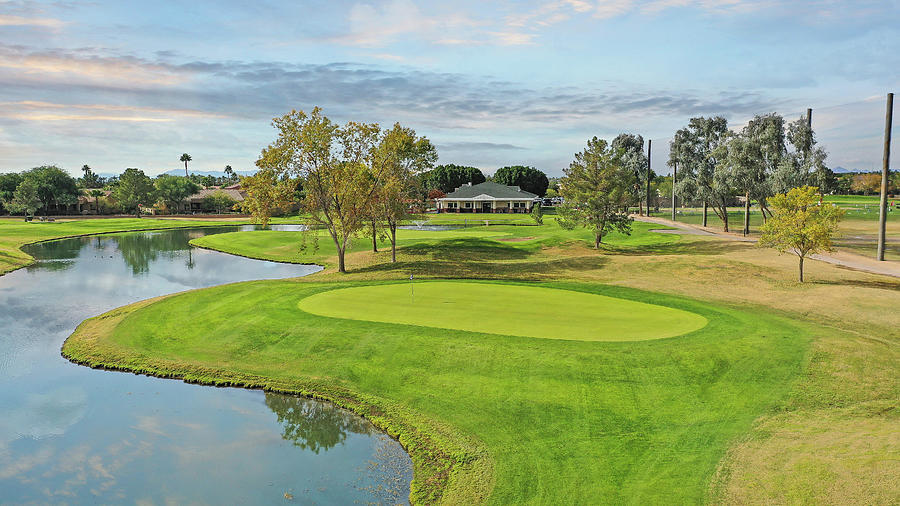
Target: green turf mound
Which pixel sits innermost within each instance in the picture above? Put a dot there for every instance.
(505, 309)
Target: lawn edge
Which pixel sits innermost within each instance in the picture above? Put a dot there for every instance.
(449, 467)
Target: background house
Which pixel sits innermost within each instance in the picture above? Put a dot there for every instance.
(487, 198)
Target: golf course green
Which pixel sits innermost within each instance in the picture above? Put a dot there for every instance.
(487, 418)
(514, 310)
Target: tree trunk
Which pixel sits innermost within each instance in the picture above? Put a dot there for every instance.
(340, 253)
(801, 269)
(597, 239)
(705, 205)
(185, 169)
(374, 238)
(393, 226)
(747, 214)
(640, 207)
(725, 213)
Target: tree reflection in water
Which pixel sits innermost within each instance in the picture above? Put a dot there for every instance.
(314, 425)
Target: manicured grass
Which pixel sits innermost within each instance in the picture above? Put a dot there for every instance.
(474, 243)
(500, 418)
(15, 232)
(505, 309)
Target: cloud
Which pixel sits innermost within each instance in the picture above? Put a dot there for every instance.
(10, 20)
(478, 146)
(29, 110)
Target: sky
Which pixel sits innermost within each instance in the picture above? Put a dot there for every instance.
(116, 84)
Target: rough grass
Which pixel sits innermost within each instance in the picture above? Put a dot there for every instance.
(542, 420)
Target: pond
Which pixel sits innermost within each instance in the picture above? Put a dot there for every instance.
(73, 434)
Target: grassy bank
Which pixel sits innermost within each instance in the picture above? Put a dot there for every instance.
(609, 419)
(14, 233)
(559, 421)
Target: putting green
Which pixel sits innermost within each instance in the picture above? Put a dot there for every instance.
(496, 308)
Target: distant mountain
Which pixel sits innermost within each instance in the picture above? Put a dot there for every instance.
(214, 173)
(842, 170)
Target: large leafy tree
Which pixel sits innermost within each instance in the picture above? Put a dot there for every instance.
(449, 177)
(695, 149)
(399, 157)
(631, 147)
(800, 224)
(266, 192)
(336, 166)
(218, 201)
(133, 191)
(529, 179)
(26, 198)
(597, 189)
(172, 190)
(55, 186)
(8, 184)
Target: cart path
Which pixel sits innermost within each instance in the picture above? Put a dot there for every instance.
(839, 258)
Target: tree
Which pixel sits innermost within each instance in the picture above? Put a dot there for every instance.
(742, 161)
(219, 201)
(696, 149)
(537, 213)
(8, 184)
(800, 224)
(808, 159)
(26, 199)
(185, 158)
(766, 132)
(449, 177)
(55, 186)
(90, 179)
(96, 194)
(398, 158)
(866, 183)
(529, 179)
(135, 189)
(335, 163)
(230, 174)
(632, 155)
(597, 189)
(266, 193)
(172, 190)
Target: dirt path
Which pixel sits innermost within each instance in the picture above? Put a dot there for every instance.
(843, 259)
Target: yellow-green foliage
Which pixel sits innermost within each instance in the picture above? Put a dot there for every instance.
(800, 224)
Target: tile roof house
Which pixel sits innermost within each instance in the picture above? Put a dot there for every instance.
(486, 197)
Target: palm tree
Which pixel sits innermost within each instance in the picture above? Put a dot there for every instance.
(185, 158)
(97, 194)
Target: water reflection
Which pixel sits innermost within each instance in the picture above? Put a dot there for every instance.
(77, 435)
(313, 425)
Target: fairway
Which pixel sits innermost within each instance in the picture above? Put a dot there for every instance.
(505, 309)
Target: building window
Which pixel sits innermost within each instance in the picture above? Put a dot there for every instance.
(468, 205)
(452, 205)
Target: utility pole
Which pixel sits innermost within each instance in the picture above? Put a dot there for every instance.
(809, 118)
(649, 145)
(885, 169)
(674, 180)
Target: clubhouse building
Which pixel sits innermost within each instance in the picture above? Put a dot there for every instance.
(486, 198)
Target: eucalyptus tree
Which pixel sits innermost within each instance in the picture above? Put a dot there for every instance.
(766, 133)
(696, 148)
(597, 188)
(635, 160)
(807, 161)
